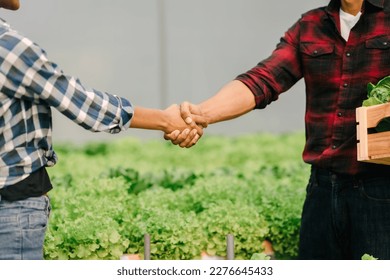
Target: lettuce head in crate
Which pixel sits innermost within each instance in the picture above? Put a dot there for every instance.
(379, 94)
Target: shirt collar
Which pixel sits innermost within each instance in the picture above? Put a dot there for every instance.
(377, 3)
(334, 5)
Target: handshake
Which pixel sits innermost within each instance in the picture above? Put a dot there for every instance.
(184, 124)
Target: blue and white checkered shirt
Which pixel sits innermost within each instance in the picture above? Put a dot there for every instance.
(29, 85)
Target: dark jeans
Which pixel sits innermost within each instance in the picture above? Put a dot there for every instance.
(345, 217)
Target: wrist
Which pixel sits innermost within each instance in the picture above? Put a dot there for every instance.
(206, 114)
(164, 121)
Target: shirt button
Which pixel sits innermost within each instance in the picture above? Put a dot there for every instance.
(385, 43)
(345, 85)
(339, 114)
(348, 54)
(334, 147)
(315, 52)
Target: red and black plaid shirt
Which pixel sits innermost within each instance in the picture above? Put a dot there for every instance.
(336, 74)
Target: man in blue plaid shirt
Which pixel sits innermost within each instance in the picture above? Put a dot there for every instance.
(29, 86)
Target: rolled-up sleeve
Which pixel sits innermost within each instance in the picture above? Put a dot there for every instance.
(277, 73)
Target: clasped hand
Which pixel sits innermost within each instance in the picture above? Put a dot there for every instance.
(187, 124)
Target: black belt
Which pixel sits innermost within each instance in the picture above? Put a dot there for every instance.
(36, 184)
(328, 175)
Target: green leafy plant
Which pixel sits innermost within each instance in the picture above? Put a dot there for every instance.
(367, 257)
(187, 200)
(260, 256)
(379, 94)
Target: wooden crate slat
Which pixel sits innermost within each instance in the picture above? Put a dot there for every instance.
(375, 147)
(378, 143)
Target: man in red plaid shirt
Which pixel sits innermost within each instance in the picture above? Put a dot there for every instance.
(337, 50)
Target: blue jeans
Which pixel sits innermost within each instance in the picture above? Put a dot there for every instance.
(345, 217)
(22, 228)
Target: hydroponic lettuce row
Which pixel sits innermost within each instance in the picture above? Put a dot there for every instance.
(106, 196)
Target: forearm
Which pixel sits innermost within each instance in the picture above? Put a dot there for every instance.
(167, 120)
(233, 100)
(146, 118)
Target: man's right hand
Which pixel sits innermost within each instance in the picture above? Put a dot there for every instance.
(193, 117)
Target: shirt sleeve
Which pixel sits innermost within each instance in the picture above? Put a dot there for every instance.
(277, 73)
(26, 73)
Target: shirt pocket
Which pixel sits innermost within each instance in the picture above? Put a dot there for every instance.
(380, 43)
(314, 50)
(377, 57)
(317, 58)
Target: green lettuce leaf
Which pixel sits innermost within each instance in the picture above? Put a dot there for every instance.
(379, 94)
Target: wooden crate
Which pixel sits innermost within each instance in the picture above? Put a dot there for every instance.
(372, 147)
